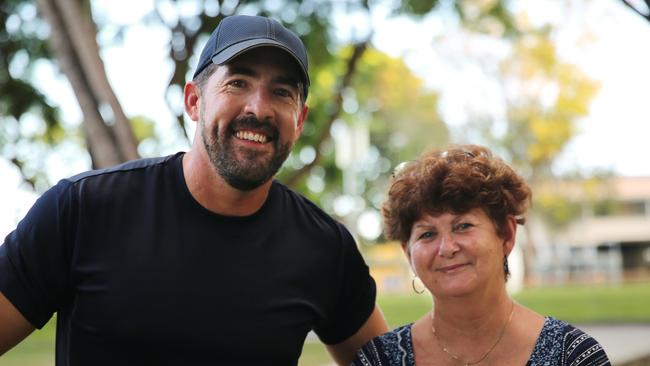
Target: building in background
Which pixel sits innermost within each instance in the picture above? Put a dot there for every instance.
(608, 240)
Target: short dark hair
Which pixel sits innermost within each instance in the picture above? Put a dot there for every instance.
(202, 77)
(455, 180)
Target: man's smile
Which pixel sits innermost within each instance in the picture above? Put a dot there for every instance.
(252, 136)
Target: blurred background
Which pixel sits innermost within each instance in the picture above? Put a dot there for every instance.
(557, 88)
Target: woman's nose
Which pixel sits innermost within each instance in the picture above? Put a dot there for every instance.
(448, 246)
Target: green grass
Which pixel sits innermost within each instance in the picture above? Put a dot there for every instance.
(36, 350)
(575, 304)
(628, 303)
(314, 354)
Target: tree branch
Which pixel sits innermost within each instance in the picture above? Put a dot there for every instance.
(645, 16)
(21, 169)
(352, 63)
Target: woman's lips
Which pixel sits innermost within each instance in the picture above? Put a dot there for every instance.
(452, 268)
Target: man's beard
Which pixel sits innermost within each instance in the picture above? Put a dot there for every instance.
(249, 171)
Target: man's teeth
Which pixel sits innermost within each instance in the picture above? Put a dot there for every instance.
(251, 136)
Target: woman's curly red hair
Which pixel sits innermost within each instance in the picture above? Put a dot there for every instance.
(455, 180)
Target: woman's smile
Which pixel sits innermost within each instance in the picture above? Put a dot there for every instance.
(453, 268)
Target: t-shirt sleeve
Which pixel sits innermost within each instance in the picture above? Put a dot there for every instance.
(356, 297)
(34, 257)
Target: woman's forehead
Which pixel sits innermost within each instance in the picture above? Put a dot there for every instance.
(428, 217)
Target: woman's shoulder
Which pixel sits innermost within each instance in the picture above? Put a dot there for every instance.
(581, 348)
(392, 348)
(560, 343)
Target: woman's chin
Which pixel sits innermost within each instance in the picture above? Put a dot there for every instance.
(454, 288)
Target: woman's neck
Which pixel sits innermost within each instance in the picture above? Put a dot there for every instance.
(471, 315)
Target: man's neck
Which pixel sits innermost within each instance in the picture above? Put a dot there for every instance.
(211, 191)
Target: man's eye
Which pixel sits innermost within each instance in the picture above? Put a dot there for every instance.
(237, 83)
(283, 93)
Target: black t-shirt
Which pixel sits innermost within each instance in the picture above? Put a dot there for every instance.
(140, 273)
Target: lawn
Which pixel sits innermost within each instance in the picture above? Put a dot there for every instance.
(591, 304)
(575, 304)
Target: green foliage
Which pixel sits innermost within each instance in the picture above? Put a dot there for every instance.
(143, 128)
(558, 211)
(22, 42)
(552, 95)
(416, 7)
(400, 105)
(399, 111)
(490, 17)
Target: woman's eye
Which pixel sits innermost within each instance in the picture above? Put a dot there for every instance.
(463, 226)
(426, 235)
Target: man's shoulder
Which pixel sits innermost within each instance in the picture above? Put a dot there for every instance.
(582, 348)
(303, 202)
(124, 168)
(130, 179)
(305, 209)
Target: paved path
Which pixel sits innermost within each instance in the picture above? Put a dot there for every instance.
(624, 343)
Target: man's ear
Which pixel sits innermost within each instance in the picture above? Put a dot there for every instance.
(509, 235)
(302, 117)
(191, 98)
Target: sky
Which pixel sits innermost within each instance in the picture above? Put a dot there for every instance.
(604, 38)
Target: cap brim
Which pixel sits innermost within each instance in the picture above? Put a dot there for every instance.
(237, 49)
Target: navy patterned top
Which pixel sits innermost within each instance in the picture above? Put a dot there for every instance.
(559, 344)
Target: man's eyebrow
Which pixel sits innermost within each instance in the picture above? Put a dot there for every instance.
(240, 70)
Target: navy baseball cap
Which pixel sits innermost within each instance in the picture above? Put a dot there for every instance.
(239, 33)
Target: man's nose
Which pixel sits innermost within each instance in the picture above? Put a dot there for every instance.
(259, 104)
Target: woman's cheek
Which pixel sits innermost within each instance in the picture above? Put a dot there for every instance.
(421, 255)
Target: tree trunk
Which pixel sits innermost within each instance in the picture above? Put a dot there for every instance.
(109, 137)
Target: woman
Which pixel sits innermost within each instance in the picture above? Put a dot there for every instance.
(455, 213)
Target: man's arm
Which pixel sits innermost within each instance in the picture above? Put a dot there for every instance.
(344, 352)
(13, 325)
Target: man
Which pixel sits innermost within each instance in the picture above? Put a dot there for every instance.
(198, 258)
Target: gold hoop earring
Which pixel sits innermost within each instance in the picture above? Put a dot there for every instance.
(413, 285)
